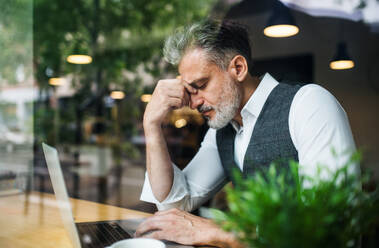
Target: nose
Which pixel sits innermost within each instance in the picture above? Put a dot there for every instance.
(196, 101)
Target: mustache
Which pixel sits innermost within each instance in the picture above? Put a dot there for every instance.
(204, 108)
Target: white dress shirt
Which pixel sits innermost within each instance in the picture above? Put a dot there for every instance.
(317, 123)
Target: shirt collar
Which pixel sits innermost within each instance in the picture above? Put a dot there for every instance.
(256, 101)
(259, 97)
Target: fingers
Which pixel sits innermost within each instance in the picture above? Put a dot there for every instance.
(186, 99)
(161, 220)
(189, 88)
(155, 235)
(175, 225)
(168, 94)
(173, 88)
(175, 103)
(161, 235)
(180, 93)
(151, 224)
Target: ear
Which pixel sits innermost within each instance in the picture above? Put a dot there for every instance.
(238, 68)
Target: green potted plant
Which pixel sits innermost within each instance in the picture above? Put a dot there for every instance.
(274, 208)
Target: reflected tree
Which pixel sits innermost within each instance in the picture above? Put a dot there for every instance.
(121, 36)
(15, 41)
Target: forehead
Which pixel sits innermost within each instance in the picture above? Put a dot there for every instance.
(195, 65)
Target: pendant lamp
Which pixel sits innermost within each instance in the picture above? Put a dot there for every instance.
(281, 22)
(341, 60)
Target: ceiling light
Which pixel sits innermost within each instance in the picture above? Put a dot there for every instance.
(57, 81)
(341, 60)
(146, 97)
(282, 30)
(79, 59)
(281, 22)
(117, 95)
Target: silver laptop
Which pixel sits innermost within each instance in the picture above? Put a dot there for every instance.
(87, 234)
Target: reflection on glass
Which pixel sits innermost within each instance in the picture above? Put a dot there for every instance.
(79, 59)
(146, 97)
(117, 95)
(17, 93)
(180, 123)
(57, 81)
(49, 94)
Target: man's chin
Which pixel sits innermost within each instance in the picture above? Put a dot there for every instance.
(215, 125)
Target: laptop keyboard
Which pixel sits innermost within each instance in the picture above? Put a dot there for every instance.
(100, 234)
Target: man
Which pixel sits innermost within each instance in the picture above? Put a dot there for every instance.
(253, 122)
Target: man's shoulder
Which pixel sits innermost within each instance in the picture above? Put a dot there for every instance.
(313, 93)
(312, 86)
(312, 99)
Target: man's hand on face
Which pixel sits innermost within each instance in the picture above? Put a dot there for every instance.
(180, 227)
(168, 94)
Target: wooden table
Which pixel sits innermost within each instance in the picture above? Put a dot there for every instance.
(33, 220)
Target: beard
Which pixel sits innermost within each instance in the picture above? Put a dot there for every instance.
(228, 103)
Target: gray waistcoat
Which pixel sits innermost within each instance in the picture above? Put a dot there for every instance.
(270, 141)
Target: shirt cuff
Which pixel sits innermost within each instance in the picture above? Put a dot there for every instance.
(175, 198)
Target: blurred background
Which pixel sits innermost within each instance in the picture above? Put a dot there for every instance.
(77, 75)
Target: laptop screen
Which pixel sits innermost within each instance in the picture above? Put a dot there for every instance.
(59, 187)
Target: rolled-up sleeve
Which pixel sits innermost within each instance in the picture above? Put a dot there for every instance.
(198, 182)
(174, 199)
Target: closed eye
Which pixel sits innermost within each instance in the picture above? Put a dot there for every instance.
(202, 86)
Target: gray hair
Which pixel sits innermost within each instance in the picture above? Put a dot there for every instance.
(220, 41)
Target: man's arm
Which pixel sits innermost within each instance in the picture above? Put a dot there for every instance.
(200, 180)
(161, 172)
(168, 94)
(319, 125)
